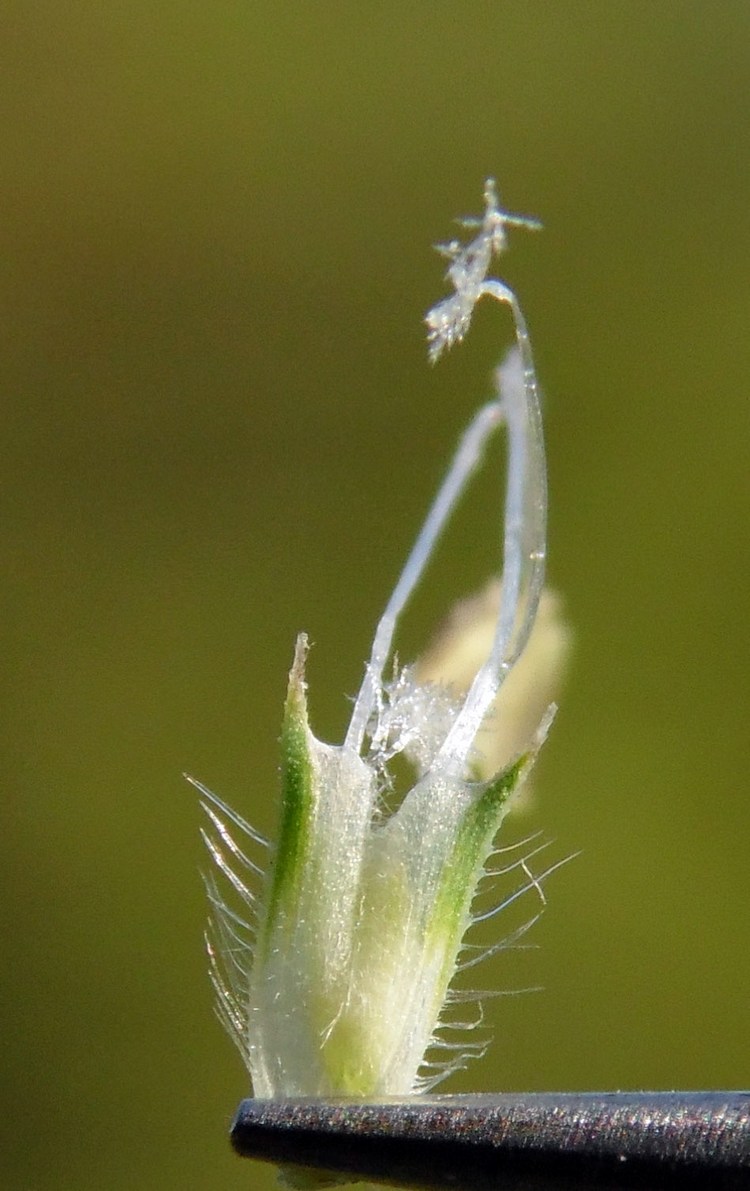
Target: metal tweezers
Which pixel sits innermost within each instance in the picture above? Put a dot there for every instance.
(532, 1142)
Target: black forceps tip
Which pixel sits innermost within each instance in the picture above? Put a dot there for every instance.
(531, 1142)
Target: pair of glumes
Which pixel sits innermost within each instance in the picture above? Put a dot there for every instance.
(231, 932)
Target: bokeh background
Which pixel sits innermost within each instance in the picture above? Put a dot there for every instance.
(219, 428)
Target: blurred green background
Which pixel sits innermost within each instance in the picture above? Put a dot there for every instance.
(219, 428)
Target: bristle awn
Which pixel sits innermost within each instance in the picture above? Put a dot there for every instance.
(510, 868)
(521, 843)
(463, 1025)
(229, 841)
(219, 860)
(227, 810)
(508, 943)
(534, 882)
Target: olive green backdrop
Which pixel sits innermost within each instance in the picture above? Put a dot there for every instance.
(219, 427)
